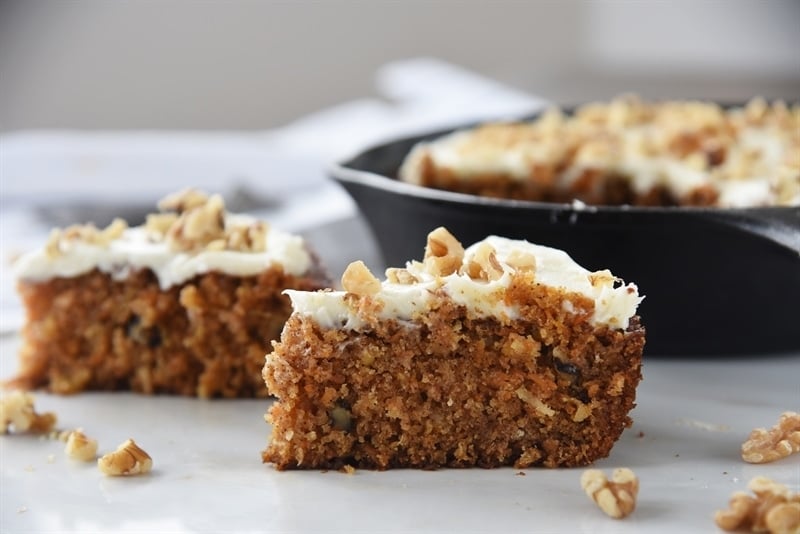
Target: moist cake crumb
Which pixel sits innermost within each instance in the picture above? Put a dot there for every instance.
(506, 353)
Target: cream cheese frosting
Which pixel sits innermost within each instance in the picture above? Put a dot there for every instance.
(614, 304)
(81, 249)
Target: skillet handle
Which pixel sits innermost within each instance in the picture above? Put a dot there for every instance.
(779, 225)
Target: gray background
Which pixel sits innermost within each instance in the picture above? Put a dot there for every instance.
(248, 65)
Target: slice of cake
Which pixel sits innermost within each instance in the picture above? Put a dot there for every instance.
(506, 353)
(627, 151)
(185, 304)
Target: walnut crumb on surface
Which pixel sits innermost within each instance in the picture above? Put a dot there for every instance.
(615, 497)
(17, 411)
(128, 459)
(348, 469)
(782, 440)
(80, 447)
(772, 508)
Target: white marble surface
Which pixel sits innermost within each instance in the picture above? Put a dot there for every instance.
(691, 419)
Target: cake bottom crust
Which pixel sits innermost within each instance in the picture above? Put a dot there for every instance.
(206, 337)
(451, 392)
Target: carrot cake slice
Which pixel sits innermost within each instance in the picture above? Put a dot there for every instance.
(506, 353)
(186, 303)
(627, 151)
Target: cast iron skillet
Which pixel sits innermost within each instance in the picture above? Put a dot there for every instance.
(717, 281)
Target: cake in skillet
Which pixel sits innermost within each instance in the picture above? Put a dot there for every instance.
(185, 304)
(627, 151)
(506, 353)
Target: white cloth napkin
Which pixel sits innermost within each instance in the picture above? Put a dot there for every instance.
(46, 177)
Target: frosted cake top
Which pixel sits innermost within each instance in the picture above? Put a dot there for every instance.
(750, 156)
(193, 234)
(477, 278)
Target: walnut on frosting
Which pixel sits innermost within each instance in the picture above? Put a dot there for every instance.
(484, 265)
(521, 261)
(158, 224)
(87, 233)
(358, 279)
(400, 276)
(190, 221)
(194, 221)
(183, 201)
(198, 226)
(251, 238)
(443, 253)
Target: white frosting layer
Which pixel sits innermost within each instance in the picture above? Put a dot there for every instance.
(614, 306)
(137, 249)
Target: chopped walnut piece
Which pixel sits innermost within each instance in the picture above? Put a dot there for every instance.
(400, 276)
(521, 261)
(216, 246)
(80, 447)
(341, 418)
(772, 509)
(182, 201)
(111, 232)
(780, 441)
(198, 226)
(484, 265)
(358, 279)
(443, 253)
(160, 223)
(599, 278)
(17, 411)
(251, 238)
(615, 497)
(87, 233)
(348, 469)
(52, 248)
(198, 222)
(128, 459)
(538, 404)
